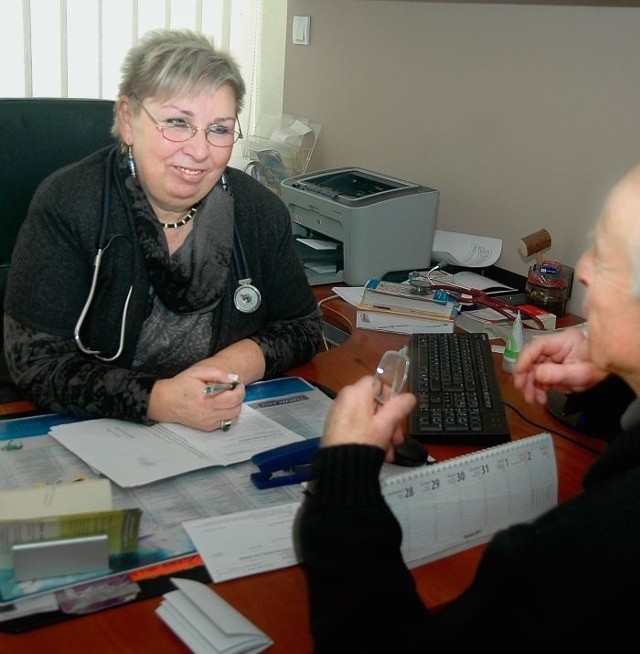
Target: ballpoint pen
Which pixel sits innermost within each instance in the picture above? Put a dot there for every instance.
(215, 388)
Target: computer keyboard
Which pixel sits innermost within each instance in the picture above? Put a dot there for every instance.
(459, 397)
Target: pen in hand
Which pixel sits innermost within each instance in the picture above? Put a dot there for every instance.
(216, 388)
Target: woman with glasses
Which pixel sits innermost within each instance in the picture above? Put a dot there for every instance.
(150, 271)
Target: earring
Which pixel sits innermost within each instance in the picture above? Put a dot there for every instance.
(224, 183)
(131, 164)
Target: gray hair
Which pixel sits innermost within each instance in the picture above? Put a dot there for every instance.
(172, 63)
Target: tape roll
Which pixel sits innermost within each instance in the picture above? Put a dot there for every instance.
(534, 243)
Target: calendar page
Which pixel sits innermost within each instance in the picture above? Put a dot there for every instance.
(462, 502)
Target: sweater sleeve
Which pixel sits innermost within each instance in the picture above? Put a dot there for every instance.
(350, 547)
(53, 374)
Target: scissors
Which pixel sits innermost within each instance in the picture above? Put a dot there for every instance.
(465, 295)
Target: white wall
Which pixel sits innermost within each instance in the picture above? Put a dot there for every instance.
(521, 115)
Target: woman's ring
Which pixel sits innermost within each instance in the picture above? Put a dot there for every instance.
(225, 424)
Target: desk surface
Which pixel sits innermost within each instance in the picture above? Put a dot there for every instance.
(276, 601)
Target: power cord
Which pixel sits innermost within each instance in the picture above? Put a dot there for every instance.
(593, 450)
(320, 303)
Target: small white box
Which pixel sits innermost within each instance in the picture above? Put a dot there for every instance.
(495, 325)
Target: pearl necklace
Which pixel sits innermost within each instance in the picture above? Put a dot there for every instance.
(184, 221)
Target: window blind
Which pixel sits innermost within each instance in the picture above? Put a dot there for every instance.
(74, 48)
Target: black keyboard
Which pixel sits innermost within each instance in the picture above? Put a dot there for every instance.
(459, 397)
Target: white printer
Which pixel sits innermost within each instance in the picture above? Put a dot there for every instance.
(352, 225)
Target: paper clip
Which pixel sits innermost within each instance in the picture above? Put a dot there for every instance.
(287, 464)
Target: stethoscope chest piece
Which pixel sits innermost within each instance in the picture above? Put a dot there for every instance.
(247, 297)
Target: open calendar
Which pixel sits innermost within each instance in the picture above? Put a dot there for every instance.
(442, 508)
(453, 505)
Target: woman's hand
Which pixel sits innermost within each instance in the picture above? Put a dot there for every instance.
(357, 417)
(556, 361)
(182, 399)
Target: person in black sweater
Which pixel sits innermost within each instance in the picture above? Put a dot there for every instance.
(576, 568)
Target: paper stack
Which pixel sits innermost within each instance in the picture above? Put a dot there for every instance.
(206, 623)
(395, 307)
(495, 325)
(388, 321)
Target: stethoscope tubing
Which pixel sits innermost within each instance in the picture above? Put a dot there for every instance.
(247, 297)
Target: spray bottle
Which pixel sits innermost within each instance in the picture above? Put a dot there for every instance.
(514, 345)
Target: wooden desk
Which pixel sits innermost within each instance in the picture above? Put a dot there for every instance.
(276, 601)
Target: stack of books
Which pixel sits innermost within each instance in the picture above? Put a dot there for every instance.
(398, 307)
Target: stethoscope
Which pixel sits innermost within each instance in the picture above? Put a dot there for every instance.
(246, 298)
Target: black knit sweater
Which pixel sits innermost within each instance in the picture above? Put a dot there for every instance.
(574, 571)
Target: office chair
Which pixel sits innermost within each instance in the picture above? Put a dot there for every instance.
(38, 136)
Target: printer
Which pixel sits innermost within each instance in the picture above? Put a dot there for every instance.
(351, 225)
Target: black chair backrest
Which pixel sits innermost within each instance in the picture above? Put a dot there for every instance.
(38, 136)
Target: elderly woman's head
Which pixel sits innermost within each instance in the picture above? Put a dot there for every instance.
(177, 63)
(176, 85)
(610, 270)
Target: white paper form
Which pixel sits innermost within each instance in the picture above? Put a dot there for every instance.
(318, 244)
(132, 455)
(303, 411)
(465, 249)
(251, 541)
(167, 504)
(246, 543)
(38, 461)
(208, 624)
(350, 294)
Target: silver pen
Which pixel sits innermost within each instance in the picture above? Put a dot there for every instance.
(215, 388)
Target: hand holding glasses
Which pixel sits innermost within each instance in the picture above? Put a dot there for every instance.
(391, 374)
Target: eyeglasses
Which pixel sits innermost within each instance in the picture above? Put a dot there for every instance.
(179, 130)
(392, 373)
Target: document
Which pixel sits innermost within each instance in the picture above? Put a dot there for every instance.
(383, 321)
(165, 505)
(318, 244)
(442, 508)
(90, 496)
(465, 249)
(208, 624)
(133, 455)
(246, 543)
(469, 279)
(351, 294)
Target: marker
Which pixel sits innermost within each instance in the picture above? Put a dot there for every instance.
(215, 389)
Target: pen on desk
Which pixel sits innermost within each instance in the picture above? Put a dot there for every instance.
(214, 389)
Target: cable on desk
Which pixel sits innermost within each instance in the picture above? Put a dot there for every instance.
(326, 299)
(320, 303)
(555, 433)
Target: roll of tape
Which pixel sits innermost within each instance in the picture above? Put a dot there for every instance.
(534, 243)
